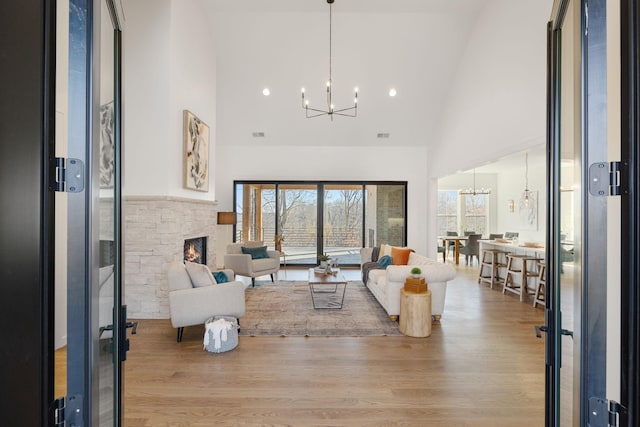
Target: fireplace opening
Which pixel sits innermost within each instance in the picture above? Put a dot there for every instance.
(195, 250)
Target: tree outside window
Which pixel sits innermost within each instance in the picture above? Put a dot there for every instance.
(462, 212)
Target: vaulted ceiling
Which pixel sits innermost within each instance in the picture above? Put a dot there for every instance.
(414, 46)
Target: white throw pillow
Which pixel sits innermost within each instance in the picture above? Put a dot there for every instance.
(385, 250)
(199, 274)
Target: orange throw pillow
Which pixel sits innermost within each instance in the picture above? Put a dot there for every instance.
(400, 256)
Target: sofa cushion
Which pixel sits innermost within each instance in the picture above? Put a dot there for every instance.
(377, 276)
(385, 261)
(385, 249)
(199, 274)
(220, 277)
(417, 259)
(178, 277)
(236, 248)
(400, 256)
(256, 253)
(264, 264)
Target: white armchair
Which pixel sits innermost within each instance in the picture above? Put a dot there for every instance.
(192, 305)
(244, 264)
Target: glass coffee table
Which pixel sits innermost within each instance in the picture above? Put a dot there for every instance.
(327, 290)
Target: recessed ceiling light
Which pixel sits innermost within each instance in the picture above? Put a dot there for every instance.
(393, 92)
(266, 91)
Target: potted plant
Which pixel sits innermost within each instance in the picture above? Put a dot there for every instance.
(416, 272)
(324, 260)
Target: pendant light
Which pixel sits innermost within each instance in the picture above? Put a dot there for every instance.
(474, 191)
(526, 195)
(331, 110)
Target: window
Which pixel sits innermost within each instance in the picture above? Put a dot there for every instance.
(474, 213)
(462, 212)
(447, 211)
(314, 217)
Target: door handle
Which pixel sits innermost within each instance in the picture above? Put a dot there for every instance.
(544, 328)
(540, 329)
(129, 325)
(566, 332)
(133, 326)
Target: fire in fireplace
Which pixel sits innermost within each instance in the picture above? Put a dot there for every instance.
(195, 250)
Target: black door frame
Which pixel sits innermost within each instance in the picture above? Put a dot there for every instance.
(27, 131)
(590, 304)
(630, 221)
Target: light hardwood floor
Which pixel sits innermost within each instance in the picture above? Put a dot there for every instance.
(481, 366)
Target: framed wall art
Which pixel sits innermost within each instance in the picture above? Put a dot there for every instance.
(196, 152)
(107, 146)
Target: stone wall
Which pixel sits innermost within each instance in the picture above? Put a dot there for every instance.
(155, 228)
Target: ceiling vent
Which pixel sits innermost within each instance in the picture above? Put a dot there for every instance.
(258, 134)
(383, 135)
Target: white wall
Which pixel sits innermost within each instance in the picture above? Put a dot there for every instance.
(497, 103)
(169, 66)
(511, 187)
(331, 163)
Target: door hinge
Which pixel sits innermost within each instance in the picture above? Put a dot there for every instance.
(58, 411)
(67, 411)
(69, 175)
(604, 413)
(605, 179)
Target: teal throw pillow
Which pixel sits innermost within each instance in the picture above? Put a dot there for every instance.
(220, 277)
(256, 253)
(385, 261)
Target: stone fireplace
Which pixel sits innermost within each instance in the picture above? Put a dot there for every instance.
(195, 250)
(155, 231)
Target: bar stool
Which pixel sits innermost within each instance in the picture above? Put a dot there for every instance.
(520, 271)
(491, 261)
(541, 288)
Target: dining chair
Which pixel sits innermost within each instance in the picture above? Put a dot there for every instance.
(451, 245)
(494, 236)
(512, 235)
(472, 248)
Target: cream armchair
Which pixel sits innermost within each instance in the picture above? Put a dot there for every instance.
(248, 265)
(192, 303)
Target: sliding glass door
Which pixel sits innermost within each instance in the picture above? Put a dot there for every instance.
(298, 222)
(306, 219)
(342, 222)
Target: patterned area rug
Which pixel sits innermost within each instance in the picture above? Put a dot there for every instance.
(285, 308)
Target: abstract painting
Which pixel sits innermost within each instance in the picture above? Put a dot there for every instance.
(107, 146)
(196, 152)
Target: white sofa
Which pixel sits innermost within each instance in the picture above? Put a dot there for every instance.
(385, 284)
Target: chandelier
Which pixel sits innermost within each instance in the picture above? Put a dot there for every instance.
(331, 110)
(474, 191)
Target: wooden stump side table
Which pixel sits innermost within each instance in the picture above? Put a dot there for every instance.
(415, 314)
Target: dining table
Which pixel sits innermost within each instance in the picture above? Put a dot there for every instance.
(456, 245)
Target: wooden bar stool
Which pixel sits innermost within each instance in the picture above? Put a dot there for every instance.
(541, 288)
(521, 271)
(490, 265)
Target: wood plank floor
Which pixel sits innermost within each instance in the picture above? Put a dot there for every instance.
(482, 366)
